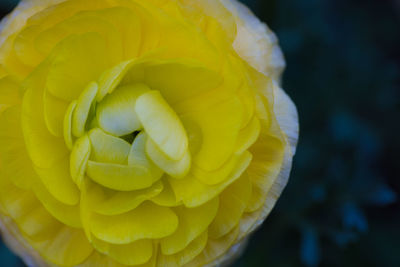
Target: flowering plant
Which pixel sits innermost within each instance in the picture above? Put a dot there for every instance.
(139, 133)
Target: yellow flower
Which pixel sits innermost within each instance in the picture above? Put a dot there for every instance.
(139, 132)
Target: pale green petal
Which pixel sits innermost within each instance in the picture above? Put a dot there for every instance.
(107, 148)
(83, 106)
(162, 125)
(116, 112)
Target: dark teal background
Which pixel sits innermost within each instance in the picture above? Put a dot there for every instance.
(341, 206)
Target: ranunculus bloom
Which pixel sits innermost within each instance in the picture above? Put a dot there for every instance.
(139, 132)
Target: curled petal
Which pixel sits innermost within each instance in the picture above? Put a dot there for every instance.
(68, 138)
(107, 148)
(83, 107)
(162, 125)
(177, 169)
(79, 158)
(116, 112)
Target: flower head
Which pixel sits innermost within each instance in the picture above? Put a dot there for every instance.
(139, 133)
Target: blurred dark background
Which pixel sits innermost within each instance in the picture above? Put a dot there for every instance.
(341, 207)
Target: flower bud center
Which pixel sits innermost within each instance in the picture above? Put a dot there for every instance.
(125, 139)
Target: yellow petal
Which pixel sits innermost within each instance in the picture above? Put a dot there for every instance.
(110, 79)
(162, 125)
(107, 148)
(78, 60)
(181, 40)
(58, 181)
(177, 169)
(120, 177)
(194, 193)
(149, 26)
(130, 25)
(27, 212)
(81, 23)
(3, 72)
(98, 259)
(138, 156)
(116, 112)
(247, 97)
(219, 121)
(54, 113)
(248, 222)
(15, 163)
(167, 197)
(24, 45)
(78, 159)
(62, 10)
(68, 138)
(218, 11)
(192, 223)
(215, 248)
(9, 92)
(114, 203)
(91, 194)
(37, 224)
(146, 221)
(67, 214)
(173, 78)
(135, 253)
(68, 247)
(179, 259)
(194, 133)
(264, 167)
(233, 202)
(83, 107)
(11, 61)
(43, 148)
(217, 176)
(216, 34)
(248, 136)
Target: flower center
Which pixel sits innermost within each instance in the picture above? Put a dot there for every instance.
(125, 139)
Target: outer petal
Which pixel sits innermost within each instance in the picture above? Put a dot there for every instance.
(255, 42)
(287, 118)
(16, 20)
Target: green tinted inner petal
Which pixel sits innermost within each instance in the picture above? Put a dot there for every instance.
(162, 124)
(116, 112)
(107, 148)
(138, 156)
(110, 79)
(78, 159)
(68, 124)
(83, 107)
(176, 169)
